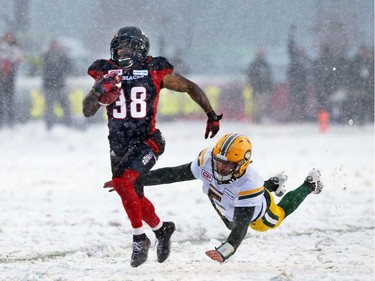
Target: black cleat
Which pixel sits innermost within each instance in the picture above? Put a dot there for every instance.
(140, 251)
(163, 235)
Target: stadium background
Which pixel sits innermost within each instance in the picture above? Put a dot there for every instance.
(218, 39)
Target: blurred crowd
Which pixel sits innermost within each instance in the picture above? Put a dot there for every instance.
(55, 66)
(332, 86)
(10, 59)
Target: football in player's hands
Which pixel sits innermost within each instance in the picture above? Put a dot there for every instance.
(108, 88)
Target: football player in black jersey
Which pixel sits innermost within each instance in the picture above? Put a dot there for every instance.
(128, 85)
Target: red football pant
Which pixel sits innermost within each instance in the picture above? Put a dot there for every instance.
(137, 209)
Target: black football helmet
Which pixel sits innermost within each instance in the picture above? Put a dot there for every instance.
(129, 46)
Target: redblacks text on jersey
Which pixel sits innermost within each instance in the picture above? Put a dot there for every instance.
(132, 117)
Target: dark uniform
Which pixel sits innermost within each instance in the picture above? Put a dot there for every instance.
(133, 137)
(129, 85)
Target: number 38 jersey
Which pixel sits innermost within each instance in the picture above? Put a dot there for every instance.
(247, 191)
(132, 116)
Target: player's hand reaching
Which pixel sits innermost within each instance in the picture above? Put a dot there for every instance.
(109, 184)
(213, 124)
(221, 253)
(215, 255)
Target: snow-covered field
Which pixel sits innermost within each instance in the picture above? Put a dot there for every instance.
(58, 223)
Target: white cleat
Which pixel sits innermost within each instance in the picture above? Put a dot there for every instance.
(313, 179)
(280, 180)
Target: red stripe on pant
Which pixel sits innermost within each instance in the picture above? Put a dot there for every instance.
(136, 208)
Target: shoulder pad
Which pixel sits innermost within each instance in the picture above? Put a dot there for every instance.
(201, 157)
(159, 63)
(100, 67)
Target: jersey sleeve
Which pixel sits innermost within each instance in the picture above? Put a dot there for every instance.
(197, 164)
(242, 219)
(159, 67)
(160, 63)
(251, 191)
(99, 68)
(167, 175)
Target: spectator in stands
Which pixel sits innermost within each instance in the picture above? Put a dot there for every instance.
(57, 66)
(260, 78)
(360, 105)
(340, 87)
(10, 59)
(179, 63)
(323, 77)
(298, 74)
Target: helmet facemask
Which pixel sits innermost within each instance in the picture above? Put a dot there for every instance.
(129, 46)
(231, 157)
(223, 170)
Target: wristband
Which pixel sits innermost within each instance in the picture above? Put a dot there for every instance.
(95, 92)
(212, 115)
(226, 250)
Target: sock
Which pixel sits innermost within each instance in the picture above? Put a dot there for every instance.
(148, 212)
(158, 226)
(293, 199)
(138, 231)
(159, 232)
(124, 186)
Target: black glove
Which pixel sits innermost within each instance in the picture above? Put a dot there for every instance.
(213, 124)
(108, 83)
(160, 141)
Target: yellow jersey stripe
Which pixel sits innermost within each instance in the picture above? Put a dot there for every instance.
(251, 195)
(201, 157)
(252, 191)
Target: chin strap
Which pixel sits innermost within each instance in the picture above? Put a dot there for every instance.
(126, 63)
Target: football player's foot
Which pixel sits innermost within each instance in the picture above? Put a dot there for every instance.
(278, 183)
(163, 235)
(141, 245)
(313, 180)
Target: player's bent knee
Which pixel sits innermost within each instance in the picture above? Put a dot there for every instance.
(271, 219)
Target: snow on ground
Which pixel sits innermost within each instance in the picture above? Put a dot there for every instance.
(57, 223)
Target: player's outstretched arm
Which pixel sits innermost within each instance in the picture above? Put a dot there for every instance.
(242, 219)
(168, 175)
(161, 176)
(179, 83)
